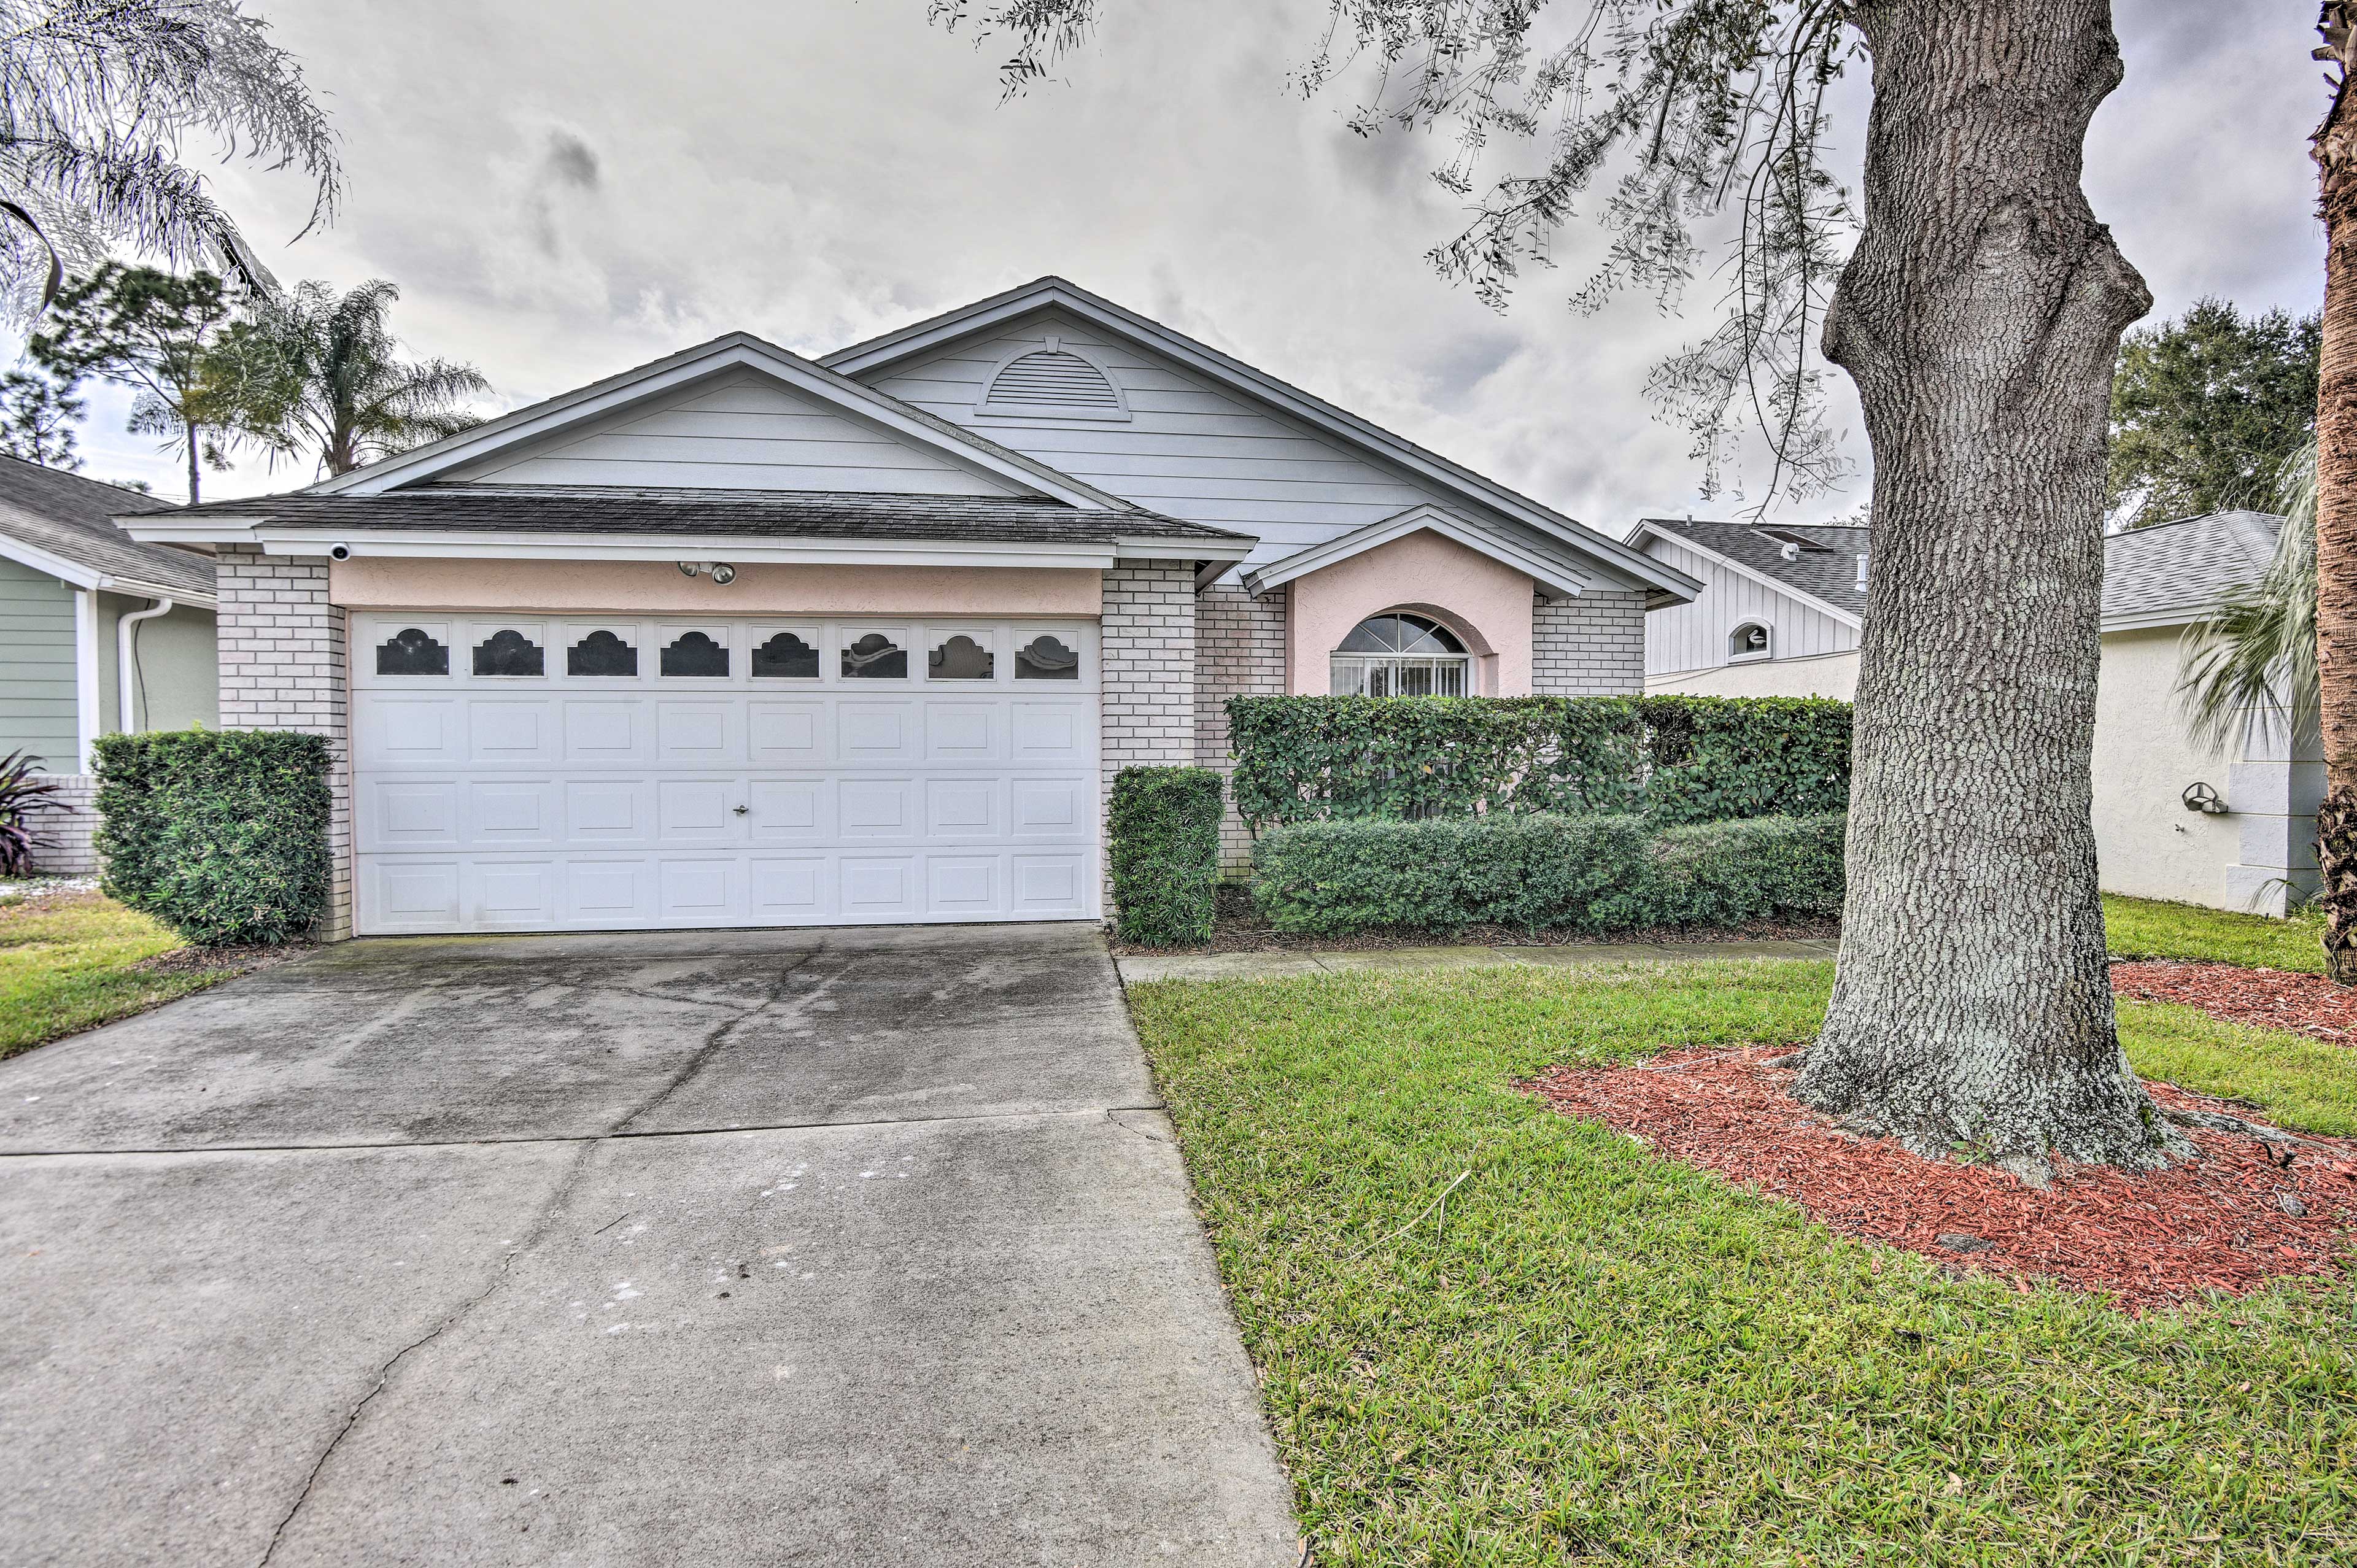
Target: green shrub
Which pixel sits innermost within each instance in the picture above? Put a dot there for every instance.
(1539, 870)
(1163, 844)
(221, 834)
(1676, 759)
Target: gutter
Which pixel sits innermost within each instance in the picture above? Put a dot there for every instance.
(125, 667)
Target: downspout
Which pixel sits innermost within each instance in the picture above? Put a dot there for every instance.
(125, 686)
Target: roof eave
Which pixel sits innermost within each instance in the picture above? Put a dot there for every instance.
(1850, 619)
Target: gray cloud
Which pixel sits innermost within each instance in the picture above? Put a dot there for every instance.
(559, 204)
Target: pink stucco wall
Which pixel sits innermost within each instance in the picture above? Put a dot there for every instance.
(386, 582)
(1484, 602)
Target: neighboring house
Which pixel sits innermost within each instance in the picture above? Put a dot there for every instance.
(1780, 615)
(98, 633)
(737, 637)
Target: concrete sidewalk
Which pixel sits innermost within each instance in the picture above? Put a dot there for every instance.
(1138, 969)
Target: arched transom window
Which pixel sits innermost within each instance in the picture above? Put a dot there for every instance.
(1401, 656)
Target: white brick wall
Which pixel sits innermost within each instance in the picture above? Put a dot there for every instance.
(282, 667)
(1147, 673)
(62, 824)
(1240, 643)
(1592, 646)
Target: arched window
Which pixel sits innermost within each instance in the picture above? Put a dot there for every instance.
(1750, 640)
(1401, 656)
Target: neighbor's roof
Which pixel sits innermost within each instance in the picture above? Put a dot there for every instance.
(778, 514)
(2173, 573)
(1825, 568)
(67, 521)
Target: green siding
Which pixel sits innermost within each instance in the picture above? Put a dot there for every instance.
(36, 665)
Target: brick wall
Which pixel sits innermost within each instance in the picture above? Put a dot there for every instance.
(1592, 646)
(1146, 662)
(61, 825)
(1240, 641)
(282, 667)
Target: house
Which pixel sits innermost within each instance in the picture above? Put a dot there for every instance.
(98, 632)
(739, 637)
(1781, 608)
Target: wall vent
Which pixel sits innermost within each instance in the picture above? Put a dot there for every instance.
(1052, 383)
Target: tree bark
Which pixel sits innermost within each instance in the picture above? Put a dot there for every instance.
(2335, 148)
(1980, 317)
(192, 463)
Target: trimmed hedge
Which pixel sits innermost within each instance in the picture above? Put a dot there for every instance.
(1542, 871)
(221, 834)
(1162, 830)
(1675, 759)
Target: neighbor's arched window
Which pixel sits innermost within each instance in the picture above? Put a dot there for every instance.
(1401, 656)
(1750, 640)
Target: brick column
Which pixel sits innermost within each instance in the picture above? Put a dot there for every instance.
(1240, 643)
(62, 824)
(1592, 646)
(1146, 665)
(283, 666)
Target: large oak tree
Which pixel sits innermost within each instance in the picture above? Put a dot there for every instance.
(1978, 313)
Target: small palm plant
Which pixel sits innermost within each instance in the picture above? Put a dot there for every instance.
(2259, 650)
(20, 787)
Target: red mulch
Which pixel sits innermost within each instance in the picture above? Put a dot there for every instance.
(2270, 998)
(2149, 1239)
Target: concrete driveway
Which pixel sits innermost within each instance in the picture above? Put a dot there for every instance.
(845, 1246)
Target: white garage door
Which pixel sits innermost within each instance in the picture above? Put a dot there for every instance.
(579, 774)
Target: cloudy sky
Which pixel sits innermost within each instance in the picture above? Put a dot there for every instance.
(564, 190)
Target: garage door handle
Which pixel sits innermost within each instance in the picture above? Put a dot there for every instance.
(740, 810)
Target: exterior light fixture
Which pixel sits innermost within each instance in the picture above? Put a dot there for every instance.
(2204, 798)
(718, 571)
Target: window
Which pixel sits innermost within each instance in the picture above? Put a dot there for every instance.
(412, 651)
(959, 658)
(508, 653)
(695, 654)
(601, 653)
(875, 657)
(785, 657)
(1400, 656)
(1750, 640)
(1046, 658)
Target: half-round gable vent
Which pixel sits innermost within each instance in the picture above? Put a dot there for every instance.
(1053, 381)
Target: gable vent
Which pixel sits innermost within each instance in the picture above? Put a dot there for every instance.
(1052, 382)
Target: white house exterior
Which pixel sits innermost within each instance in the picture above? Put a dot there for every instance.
(739, 637)
(1802, 591)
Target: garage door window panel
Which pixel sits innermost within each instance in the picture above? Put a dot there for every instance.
(1047, 657)
(870, 655)
(696, 655)
(509, 652)
(961, 656)
(790, 655)
(602, 655)
(414, 650)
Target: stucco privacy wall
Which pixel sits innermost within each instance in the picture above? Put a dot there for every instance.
(283, 666)
(1487, 603)
(1240, 651)
(1591, 646)
(382, 582)
(1146, 656)
(1828, 675)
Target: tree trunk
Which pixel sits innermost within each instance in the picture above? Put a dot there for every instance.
(1980, 317)
(192, 463)
(2336, 516)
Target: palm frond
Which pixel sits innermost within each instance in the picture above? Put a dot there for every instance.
(2258, 652)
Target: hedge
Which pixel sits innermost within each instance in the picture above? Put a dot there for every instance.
(221, 834)
(1676, 759)
(1163, 833)
(1542, 871)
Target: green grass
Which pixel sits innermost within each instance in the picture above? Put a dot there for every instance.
(2148, 927)
(66, 965)
(1595, 1354)
(2297, 1081)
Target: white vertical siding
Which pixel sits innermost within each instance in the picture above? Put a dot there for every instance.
(743, 432)
(1694, 637)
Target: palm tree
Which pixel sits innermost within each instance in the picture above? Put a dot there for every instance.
(2335, 147)
(315, 372)
(97, 102)
(2259, 650)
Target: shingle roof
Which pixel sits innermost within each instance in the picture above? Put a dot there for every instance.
(2180, 570)
(1829, 572)
(787, 514)
(69, 516)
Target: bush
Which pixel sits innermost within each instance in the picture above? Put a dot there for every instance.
(1676, 759)
(1541, 872)
(221, 834)
(1163, 833)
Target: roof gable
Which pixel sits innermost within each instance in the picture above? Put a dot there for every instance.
(1823, 573)
(1555, 576)
(754, 410)
(886, 358)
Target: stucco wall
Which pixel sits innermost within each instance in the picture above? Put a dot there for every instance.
(1486, 603)
(1831, 675)
(175, 680)
(381, 582)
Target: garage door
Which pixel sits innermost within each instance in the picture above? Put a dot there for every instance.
(575, 774)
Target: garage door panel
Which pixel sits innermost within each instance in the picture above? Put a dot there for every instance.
(574, 793)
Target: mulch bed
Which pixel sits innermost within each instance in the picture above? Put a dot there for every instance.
(2270, 998)
(2150, 1240)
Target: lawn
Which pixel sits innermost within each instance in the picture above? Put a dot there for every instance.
(1591, 1353)
(2148, 927)
(69, 961)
